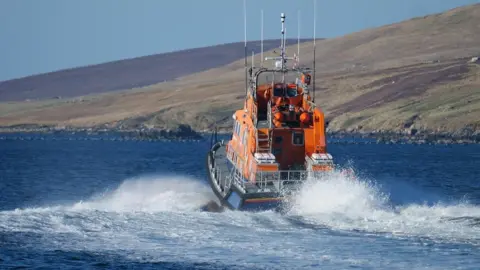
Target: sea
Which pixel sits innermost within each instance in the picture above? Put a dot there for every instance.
(76, 201)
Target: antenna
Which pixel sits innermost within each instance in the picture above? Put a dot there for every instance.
(298, 38)
(253, 59)
(245, 38)
(314, 44)
(261, 42)
(280, 62)
(282, 16)
(285, 43)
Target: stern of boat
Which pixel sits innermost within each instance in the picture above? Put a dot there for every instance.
(264, 190)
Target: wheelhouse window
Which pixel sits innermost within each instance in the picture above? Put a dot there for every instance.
(297, 138)
(278, 92)
(242, 136)
(292, 92)
(237, 128)
(244, 141)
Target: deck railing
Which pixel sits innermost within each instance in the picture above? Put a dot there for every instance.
(277, 181)
(269, 114)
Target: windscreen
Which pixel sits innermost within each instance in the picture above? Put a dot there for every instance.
(276, 77)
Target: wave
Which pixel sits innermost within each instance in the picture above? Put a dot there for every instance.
(341, 202)
(137, 196)
(152, 194)
(335, 202)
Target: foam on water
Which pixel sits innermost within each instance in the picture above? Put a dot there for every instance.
(147, 219)
(147, 195)
(336, 201)
(157, 219)
(152, 194)
(141, 194)
(343, 203)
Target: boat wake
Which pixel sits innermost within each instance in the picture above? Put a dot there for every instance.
(151, 219)
(342, 203)
(176, 206)
(152, 194)
(134, 197)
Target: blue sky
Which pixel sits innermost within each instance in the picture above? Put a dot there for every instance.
(48, 35)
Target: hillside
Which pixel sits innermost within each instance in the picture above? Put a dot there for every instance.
(125, 74)
(404, 77)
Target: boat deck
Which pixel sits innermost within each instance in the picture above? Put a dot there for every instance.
(221, 162)
(220, 159)
(262, 124)
(262, 121)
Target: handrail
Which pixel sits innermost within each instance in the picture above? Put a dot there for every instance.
(263, 181)
(311, 105)
(269, 114)
(256, 140)
(277, 181)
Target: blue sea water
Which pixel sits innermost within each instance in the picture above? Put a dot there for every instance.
(76, 202)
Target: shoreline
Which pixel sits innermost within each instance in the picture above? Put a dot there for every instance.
(390, 137)
(185, 132)
(182, 132)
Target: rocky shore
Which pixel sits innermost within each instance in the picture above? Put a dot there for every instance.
(423, 137)
(185, 132)
(392, 137)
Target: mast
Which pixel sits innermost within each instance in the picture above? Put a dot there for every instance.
(261, 42)
(281, 62)
(245, 39)
(282, 16)
(298, 38)
(314, 45)
(253, 59)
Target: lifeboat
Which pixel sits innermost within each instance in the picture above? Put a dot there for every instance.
(278, 139)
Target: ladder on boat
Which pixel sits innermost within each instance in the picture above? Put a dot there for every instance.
(264, 138)
(264, 141)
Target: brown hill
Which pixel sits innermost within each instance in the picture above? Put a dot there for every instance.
(129, 73)
(410, 75)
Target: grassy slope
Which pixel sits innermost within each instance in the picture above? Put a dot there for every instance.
(124, 74)
(411, 74)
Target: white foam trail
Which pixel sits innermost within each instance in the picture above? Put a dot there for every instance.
(148, 219)
(141, 194)
(152, 194)
(342, 203)
(138, 197)
(336, 201)
(338, 193)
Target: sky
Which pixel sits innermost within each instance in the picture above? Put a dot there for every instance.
(48, 35)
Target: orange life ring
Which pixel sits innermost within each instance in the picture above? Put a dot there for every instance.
(277, 123)
(278, 116)
(305, 118)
